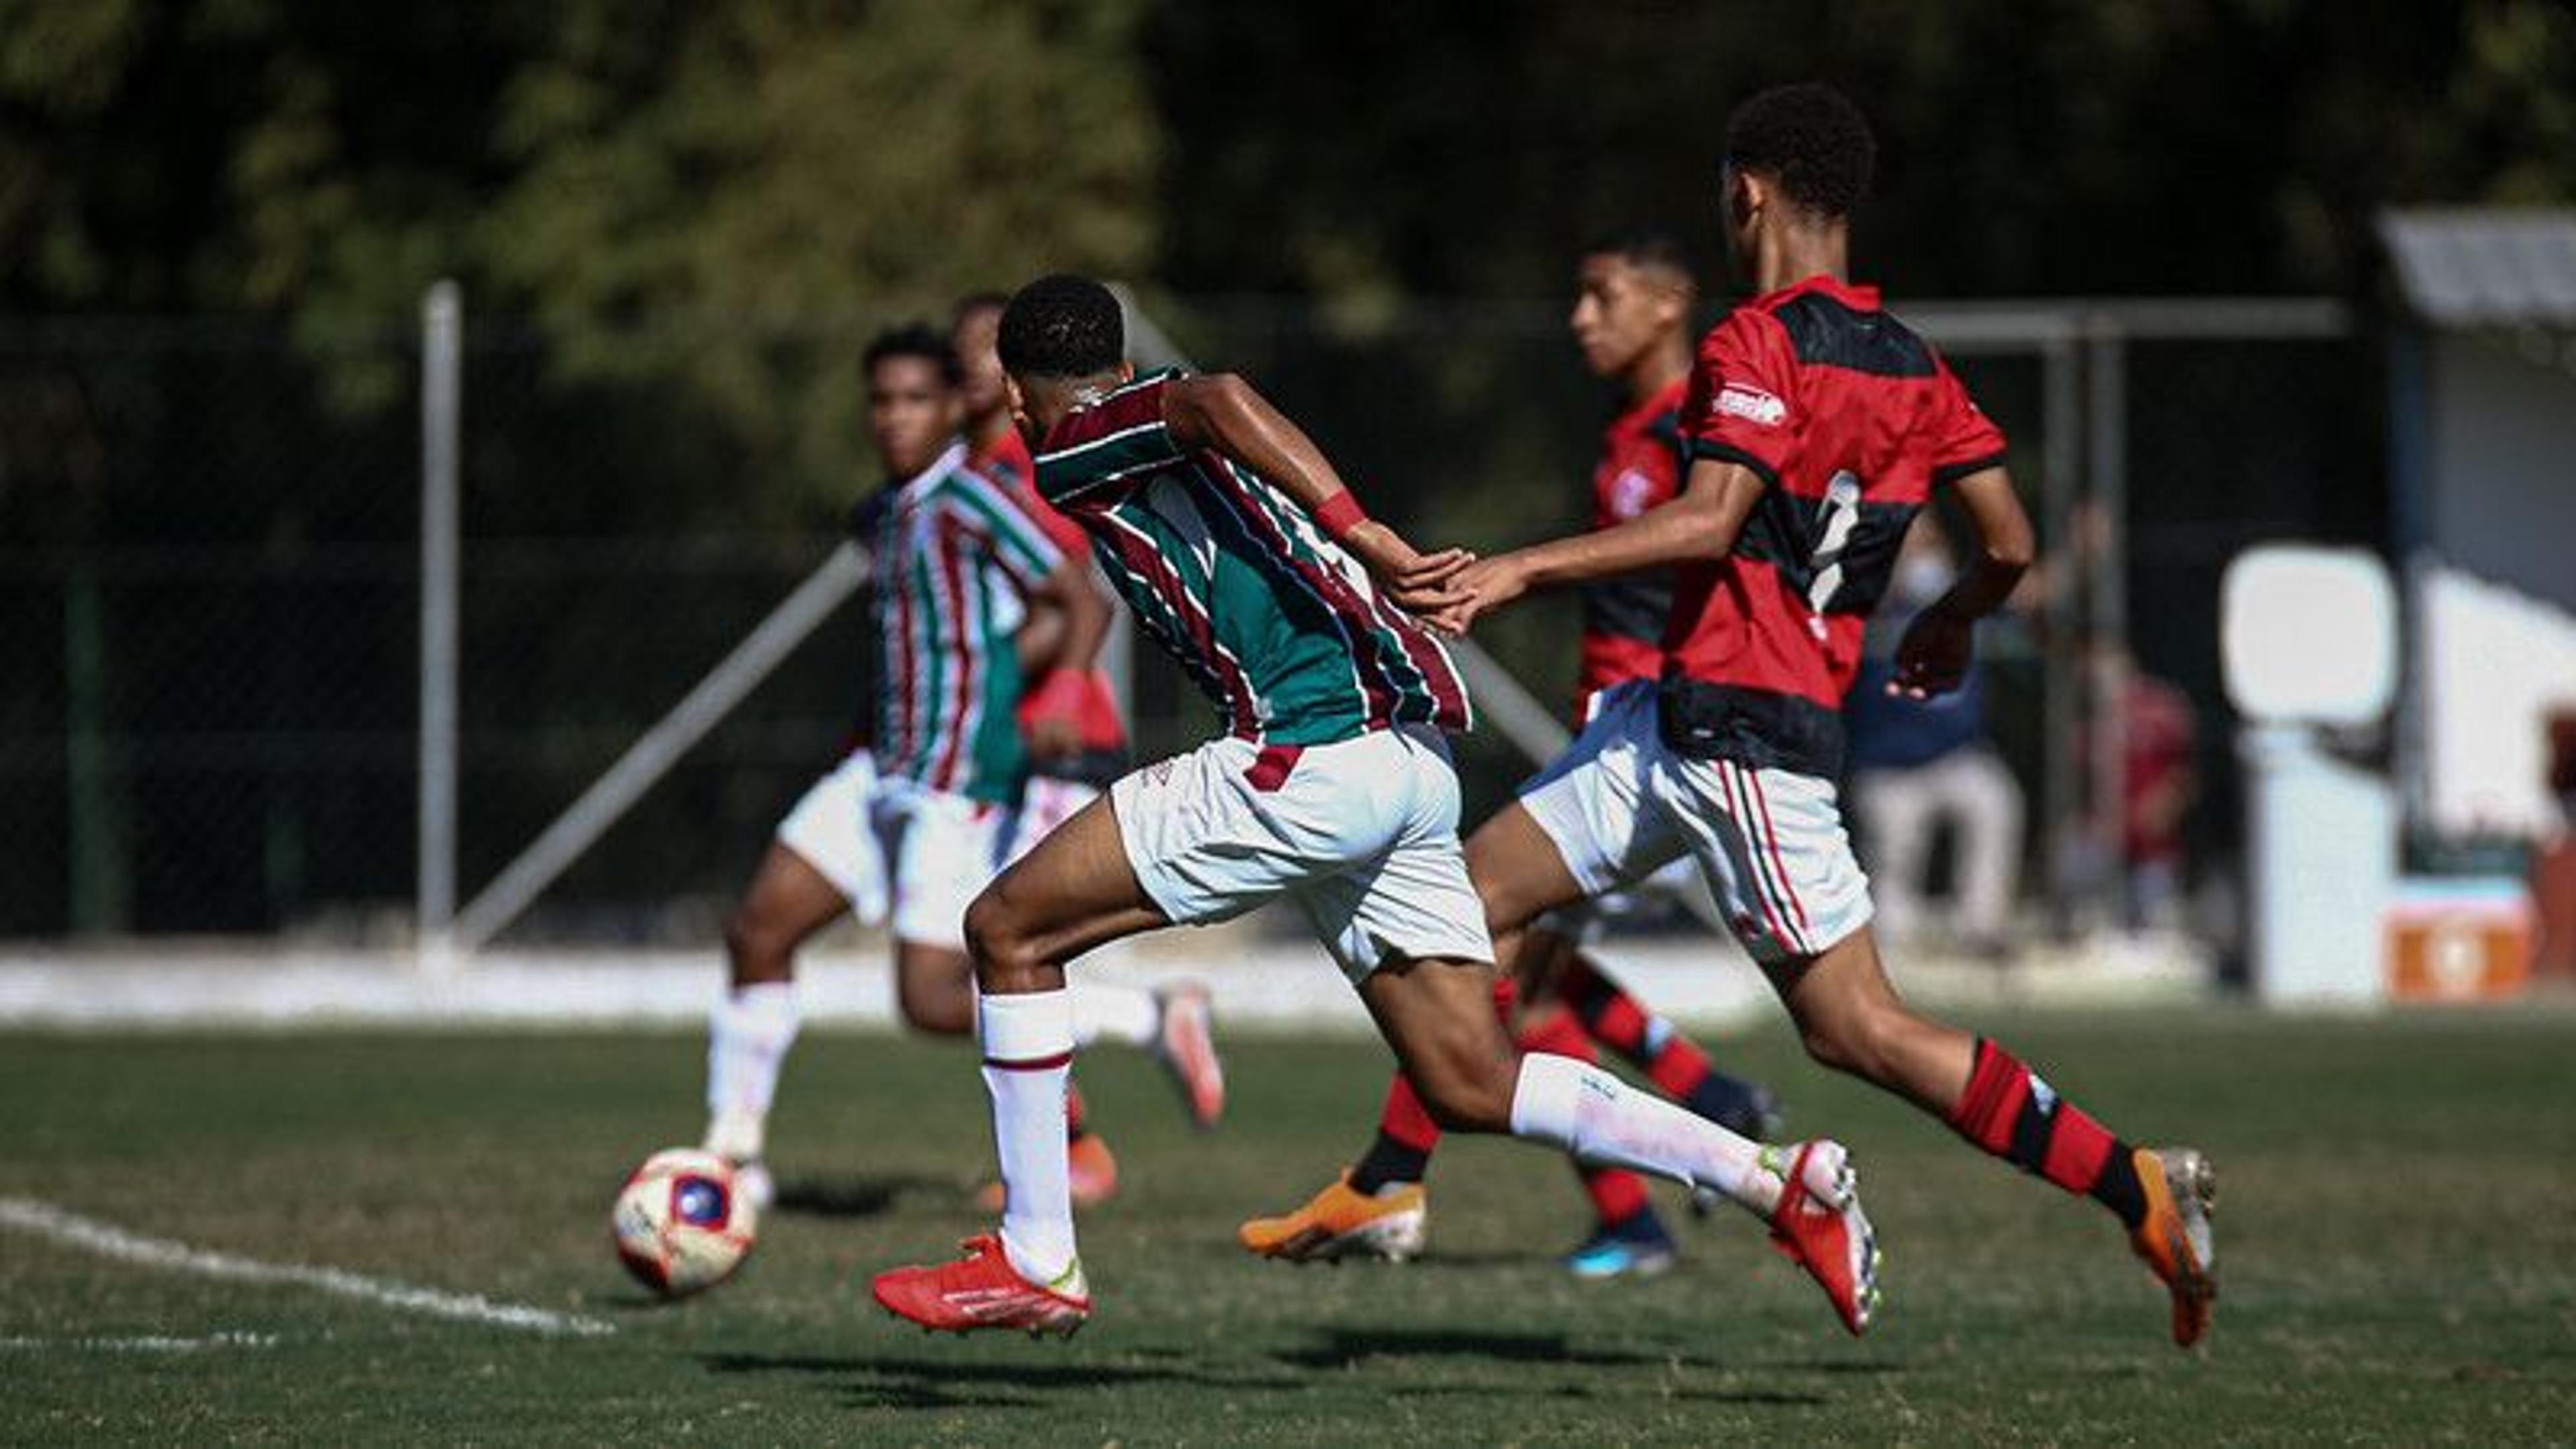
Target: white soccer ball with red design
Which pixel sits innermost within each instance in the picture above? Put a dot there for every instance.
(682, 1222)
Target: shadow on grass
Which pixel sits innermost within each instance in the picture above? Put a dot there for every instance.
(848, 1197)
(894, 1382)
(900, 1382)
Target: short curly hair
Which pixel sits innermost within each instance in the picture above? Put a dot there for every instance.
(912, 339)
(1062, 326)
(1811, 139)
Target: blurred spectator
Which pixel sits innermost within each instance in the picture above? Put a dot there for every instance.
(2553, 862)
(1917, 764)
(2156, 732)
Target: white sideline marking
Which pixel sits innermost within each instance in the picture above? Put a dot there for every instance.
(146, 1343)
(109, 1241)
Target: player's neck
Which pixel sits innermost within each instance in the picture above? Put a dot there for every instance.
(985, 433)
(1788, 255)
(1658, 368)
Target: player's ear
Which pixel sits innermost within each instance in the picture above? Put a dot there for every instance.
(1747, 193)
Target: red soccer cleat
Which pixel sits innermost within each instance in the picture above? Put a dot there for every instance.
(1819, 1226)
(1185, 1045)
(983, 1290)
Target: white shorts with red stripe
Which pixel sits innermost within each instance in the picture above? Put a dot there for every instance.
(1362, 835)
(828, 829)
(1619, 805)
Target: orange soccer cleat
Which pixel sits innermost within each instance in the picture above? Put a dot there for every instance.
(983, 1290)
(1093, 1171)
(2175, 1237)
(1341, 1223)
(1819, 1226)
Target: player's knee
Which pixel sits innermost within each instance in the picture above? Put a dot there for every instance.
(1005, 952)
(758, 951)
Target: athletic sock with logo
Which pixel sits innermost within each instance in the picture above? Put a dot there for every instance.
(1618, 1195)
(1669, 1059)
(1028, 1063)
(2010, 1111)
(1592, 1114)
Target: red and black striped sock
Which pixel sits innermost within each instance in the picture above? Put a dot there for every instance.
(2011, 1112)
(1618, 1195)
(1405, 1136)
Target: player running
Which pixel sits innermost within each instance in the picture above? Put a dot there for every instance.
(1818, 426)
(1632, 317)
(1243, 555)
(960, 571)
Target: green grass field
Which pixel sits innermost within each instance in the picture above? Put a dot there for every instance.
(2396, 1229)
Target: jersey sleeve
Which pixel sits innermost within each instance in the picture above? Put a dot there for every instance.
(1964, 439)
(1742, 404)
(1011, 531)
(1119, 440)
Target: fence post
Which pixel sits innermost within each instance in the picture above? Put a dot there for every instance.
(2106, 436)
(441, 411)
(2061, 790)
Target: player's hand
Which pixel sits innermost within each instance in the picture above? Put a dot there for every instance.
(1933, 657)
(1424, 585)
(1490, 584)
(1054, 738)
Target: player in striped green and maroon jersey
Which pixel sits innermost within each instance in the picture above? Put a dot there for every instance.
(1277, 623)
(1331, 788)
(958, 560)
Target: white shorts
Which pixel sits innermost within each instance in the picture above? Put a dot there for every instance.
(1770, 843)
(828, 829)
(1048, 803)
(1362, 835)
(945, 849)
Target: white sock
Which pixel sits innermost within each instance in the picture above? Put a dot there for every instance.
(1599, 1118)
(748, 1035)
(1028, 1058)
(1119, 1013)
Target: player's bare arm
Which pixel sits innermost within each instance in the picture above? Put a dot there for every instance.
(1068, 621)
(1933, 657)
(1700, 522)
(1223, 412)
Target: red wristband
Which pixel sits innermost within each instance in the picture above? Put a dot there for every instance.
(1061, 695)
(1339, 514)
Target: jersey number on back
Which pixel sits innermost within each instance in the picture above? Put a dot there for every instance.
(1841, 515)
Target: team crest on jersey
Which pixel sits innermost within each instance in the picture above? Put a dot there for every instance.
(1752, 404)
(1629, 493)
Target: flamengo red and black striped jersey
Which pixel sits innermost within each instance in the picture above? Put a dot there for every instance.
(1643, 457)
(1282, 629)
(1852, 420)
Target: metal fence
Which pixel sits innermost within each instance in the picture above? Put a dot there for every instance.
(210, 577)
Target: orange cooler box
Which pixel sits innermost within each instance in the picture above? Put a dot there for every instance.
(2468, 939)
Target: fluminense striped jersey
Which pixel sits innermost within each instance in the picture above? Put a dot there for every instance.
(956, 557)
(1278, 625)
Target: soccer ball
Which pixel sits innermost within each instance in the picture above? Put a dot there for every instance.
(682, 1223)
